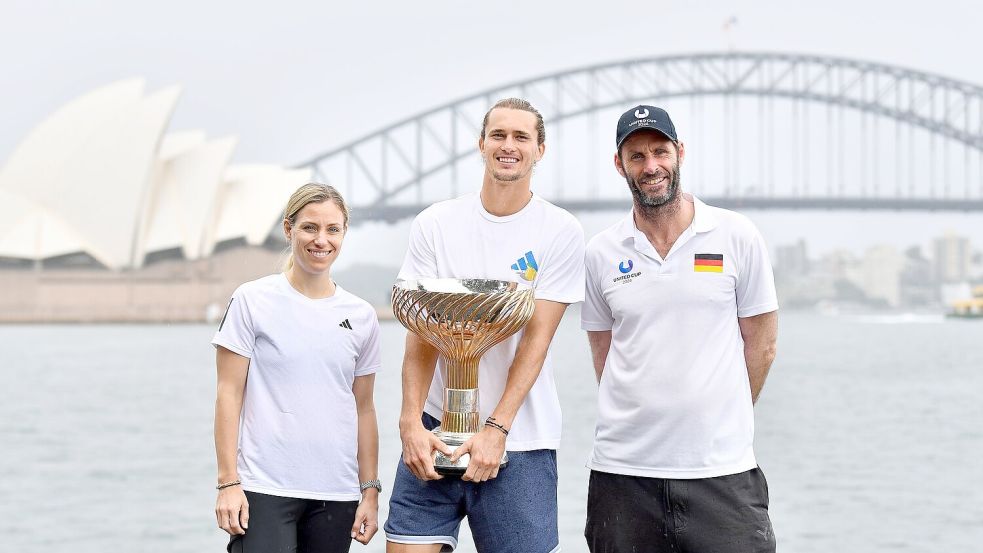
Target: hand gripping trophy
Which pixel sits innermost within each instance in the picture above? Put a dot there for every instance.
(462, 318)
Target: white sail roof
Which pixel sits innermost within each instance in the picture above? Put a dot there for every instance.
(29, 231)
(89, 164)
(100, 176)
(45, 149)
(185, 199)
(254, 198)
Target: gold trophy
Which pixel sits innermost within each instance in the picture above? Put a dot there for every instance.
(462, 318)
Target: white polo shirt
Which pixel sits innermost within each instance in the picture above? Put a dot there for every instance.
(541, 245)
(298, 436)
(674, 399)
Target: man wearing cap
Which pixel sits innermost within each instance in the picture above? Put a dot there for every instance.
(681, 315)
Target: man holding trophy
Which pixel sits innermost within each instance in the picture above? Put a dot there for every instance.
(476, 269)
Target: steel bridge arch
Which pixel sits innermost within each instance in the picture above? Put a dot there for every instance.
(398, 157)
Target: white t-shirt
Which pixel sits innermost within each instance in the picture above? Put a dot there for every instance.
(674, 399)
(298, 434)
(541, 245)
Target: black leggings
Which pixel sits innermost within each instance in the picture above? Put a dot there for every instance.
(287, 524)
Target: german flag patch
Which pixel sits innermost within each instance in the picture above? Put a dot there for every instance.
(708, 263)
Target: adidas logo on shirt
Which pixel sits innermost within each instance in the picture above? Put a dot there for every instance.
(345, 324)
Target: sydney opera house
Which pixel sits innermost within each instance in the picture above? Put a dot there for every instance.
(106, 215)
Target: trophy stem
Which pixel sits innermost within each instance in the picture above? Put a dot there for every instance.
(462, 374)
(460, 410)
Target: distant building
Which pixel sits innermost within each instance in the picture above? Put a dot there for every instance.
(976, 267)
(792, 259)
(881, 275)
(951, 256)
(839, 265)
(837, 274)
(918, 287)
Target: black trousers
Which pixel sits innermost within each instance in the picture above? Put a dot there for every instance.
(632, 514)
(291, 525)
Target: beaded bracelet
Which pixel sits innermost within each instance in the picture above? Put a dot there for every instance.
(235, 482)
(490, 421)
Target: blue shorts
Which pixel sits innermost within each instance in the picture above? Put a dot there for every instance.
(515, 512)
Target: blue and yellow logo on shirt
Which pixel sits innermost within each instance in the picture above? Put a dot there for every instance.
(526, 267)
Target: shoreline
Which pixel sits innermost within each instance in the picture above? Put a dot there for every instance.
(172, 291)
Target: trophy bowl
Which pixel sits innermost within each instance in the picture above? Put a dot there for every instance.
(462, 318)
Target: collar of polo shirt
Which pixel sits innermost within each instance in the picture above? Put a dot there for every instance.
(703, 219)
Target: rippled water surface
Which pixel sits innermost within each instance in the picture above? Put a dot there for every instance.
(870, 432)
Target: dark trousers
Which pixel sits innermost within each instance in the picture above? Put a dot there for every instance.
(632, 514)
(292, 525)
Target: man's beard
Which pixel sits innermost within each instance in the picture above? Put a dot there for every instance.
(506, 177)
(509, 177)
(668, 197)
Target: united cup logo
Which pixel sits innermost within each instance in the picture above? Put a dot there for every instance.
(641, 113)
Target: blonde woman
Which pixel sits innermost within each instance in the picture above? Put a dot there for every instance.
(297, 441)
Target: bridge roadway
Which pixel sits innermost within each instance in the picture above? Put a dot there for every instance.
(394, 213)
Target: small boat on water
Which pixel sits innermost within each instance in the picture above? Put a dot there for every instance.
(971, 308)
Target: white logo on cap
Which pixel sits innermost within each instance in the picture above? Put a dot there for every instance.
(641, 114)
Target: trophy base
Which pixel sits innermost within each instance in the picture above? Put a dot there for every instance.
(443, 464)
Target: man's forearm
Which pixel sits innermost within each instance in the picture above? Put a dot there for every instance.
(414, 395)
(419, 361)
(758, 361)
(600, 345)
(760, 334)
(523, 373)
(529, 358)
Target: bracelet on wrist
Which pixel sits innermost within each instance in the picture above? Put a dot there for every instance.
(370, 484)
(235, 482)
(490, 421)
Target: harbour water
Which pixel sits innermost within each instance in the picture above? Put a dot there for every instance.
(870, 431)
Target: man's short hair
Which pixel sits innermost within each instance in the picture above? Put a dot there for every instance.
(518, 103)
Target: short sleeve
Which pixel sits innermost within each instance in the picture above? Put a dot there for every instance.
(420, 260)
(756, 280)
(369, 358)
(235, 332)
(561, 278)
(595, 315)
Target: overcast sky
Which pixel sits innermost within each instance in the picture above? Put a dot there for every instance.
(293, 79)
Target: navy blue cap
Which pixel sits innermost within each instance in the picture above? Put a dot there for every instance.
(645, 117)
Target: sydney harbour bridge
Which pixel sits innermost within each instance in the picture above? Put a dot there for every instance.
(762, 131)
